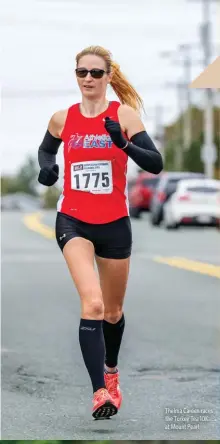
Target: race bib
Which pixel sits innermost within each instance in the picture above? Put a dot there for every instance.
(93, 176)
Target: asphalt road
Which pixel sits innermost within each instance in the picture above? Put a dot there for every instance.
(170, 352)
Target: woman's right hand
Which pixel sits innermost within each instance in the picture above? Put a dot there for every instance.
(48, 176)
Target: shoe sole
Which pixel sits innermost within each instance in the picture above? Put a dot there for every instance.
(105, 411)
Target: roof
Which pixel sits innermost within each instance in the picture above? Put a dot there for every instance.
(182, 174)
(210, 78)
(203, 181)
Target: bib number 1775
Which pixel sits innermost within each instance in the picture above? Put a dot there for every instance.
(93, 177)
(85, 180)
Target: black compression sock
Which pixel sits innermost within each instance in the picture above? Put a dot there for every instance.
(113, 335)
(92, 345)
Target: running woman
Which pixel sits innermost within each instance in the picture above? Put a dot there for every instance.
(92, 222)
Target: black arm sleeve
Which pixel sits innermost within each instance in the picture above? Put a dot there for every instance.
(47, 150)
(144, 153)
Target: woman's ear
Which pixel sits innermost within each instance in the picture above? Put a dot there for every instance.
(110, 75)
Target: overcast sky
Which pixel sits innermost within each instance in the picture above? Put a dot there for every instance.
(40, 41)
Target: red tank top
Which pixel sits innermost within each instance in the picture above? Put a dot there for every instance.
(95, 182)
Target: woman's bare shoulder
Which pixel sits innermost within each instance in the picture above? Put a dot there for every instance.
(130, 120)
(57, 122)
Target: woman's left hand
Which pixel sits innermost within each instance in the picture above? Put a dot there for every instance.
(114, 131)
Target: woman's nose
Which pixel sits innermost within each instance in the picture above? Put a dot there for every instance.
(88, 76)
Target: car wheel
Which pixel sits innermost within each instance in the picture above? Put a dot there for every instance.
(171, 226)
(155, 221)
(135, 213)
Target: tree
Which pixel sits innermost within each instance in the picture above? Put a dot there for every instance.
(26, 177)
(51, 197)
(8, 185)
(192, 160)
(24, 180)
(191, 157)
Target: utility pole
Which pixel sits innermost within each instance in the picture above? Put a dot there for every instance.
(180, 87)
(187, 125)
(180, 132)
(185, 51)
(159, 128)
(156, 114)
(208, 150)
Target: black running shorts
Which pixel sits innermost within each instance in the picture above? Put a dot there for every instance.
(112, 240)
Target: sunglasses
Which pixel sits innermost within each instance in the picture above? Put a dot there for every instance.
(95, 72)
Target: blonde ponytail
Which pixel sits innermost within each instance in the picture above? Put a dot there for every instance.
(123, 89)
(121, 86)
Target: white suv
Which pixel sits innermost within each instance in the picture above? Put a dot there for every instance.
(195, 202)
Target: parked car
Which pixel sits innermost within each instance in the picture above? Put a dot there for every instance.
(21, 202)
(164, 190)
(195, 202)
(140, 193)
(130, 184)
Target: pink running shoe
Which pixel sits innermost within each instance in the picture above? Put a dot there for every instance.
(112, 385)
(103, 404)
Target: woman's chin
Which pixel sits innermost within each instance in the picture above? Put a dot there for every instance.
(88, 92)
(90, 95)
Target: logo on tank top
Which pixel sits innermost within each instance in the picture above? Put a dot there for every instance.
(89, 141)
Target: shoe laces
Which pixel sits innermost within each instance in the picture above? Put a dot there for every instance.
(112, 383)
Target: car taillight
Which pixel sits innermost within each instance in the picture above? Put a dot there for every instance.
(184, 197)
(161, 196)
(187, 219)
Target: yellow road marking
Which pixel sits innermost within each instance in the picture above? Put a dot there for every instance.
(190, 265)
(33, 222)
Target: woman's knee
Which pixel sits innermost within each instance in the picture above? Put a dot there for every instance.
(113, 316)
(93, 306)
